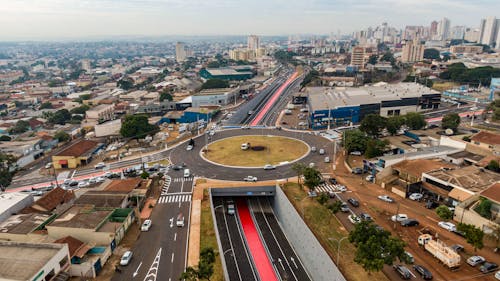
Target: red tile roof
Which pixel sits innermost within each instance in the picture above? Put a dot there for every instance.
(74, 245)
(487, 137)
(492, 192)
(126, 185)
(78, 149)
(50, 200)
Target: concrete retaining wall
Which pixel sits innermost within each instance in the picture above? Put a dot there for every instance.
(314, 258)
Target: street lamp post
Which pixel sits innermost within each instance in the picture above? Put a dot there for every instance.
(338, 246)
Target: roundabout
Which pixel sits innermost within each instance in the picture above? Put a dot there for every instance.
(254, 151)
(207, 168)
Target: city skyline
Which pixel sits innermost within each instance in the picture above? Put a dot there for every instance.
(71, 19)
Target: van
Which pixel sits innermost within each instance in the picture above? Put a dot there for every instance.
(187, 173)
(245, 146)
(146, 225)
(180, 220)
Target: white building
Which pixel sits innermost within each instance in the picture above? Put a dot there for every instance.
(223, 96)
(488, 31)
(101, 112)
(30, 261)
(253, 42)
(443, 29)
(110, 128)
(180, 52)
(13, 202)
(457, 32)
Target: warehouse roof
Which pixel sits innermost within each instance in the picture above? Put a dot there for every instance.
(327, 97)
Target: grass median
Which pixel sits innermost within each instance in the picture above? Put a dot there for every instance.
(208, 238)
(325, 225)
(275, 150)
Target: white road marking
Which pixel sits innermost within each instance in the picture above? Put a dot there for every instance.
(137, 270)
(175, 236)
(172, 258)
(153, 270)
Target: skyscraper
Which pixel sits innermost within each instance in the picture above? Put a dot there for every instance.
(488, 31)
(253, 42)
(413, 51)
(180, 52)
(434, 28)
(358, 56)
(443, 29)
(458, 32)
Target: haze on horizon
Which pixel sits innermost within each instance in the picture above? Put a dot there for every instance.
(84, 19)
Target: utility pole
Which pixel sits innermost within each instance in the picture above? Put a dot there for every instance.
(335, 155)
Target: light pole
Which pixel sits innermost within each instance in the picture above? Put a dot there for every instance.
(338, 246)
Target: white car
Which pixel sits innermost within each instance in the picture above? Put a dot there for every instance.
(269, 167)
(313, 149)
(385, 198)
(369, 178)
(83, 184)
(357, 153)
(189, 147)
(250, 178)
(399, 217)
(415, 196)
(100, 165)
(341, 188)
(127, 256)
(497, 275)
(146, 225)
(321, 151)
(475, 260)
(447, 225)
(354, 219)
(99, 179)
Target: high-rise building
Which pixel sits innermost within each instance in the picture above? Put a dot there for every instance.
(358, 56)
(413, 51)
(86, 65)
(253, 42)
(443, 29)
(457, 32)
(180, 52)
(434, 28)
(472, 35)
(488, 31)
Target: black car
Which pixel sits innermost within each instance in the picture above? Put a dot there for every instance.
(179, 167)
(457, 248)
(488, 267)
(357, 171)
(409, 222)
(426, 274)
(403, 272)
(353, 202)
(365, 217)
(332, 180)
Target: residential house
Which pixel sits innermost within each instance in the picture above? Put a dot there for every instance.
(79, 153)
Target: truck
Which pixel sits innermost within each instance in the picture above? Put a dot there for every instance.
(440, 251)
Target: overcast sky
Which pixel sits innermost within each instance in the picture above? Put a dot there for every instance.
(73, 19)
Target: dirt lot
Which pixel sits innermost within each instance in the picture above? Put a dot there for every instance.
(381, 211)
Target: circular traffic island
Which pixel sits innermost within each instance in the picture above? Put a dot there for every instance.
(252, 151)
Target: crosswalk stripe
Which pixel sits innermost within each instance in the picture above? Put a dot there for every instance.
(165, 198)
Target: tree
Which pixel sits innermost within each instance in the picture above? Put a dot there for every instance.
(208, 255)
(6, 161)
(493, 166)
(62, 136)
(60, 117)
(451, 121)
(373, 59)
(80, 110)
(298, 168)
(473, 235)
(375, 247)
(312, 177)
(415, 120)
(137, 126)
(20, 127)
(190, 274)
(372, 124)
(46, 105)
(125, 83)
(205, 270)
(322, 198)
(355, 140)
(166, 96)
(484, 208)
(215, 83)
(313, 74)
(375, 147)
(144, 175)
(444, 212)
(394, 123)
(432, 54)
(5, 138)
(335, 206)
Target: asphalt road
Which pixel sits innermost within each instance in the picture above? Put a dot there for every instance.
(201, 168)
(160, 253)
(282, 255)
(235, 254)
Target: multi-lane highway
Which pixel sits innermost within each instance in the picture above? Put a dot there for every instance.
(160, 253)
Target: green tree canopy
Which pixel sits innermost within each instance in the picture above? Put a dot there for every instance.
(375, 248)
(451, 121)
(298, 168)
(372, 124)
(444, 212)
(473, 235)
(394, 123)
(484, 208)
(373, 59)
(493, 166)
(46, 105)
(375, 147)
(166, 96)
(432, 54)
(312, 178)
(415, 120)
(5, 138)
(355, 140)
(215, 83)
(20, 127)
(6, 161)
(62, 136)
(60, 117)
(80, 110)
(137, 126)
(125, 83)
